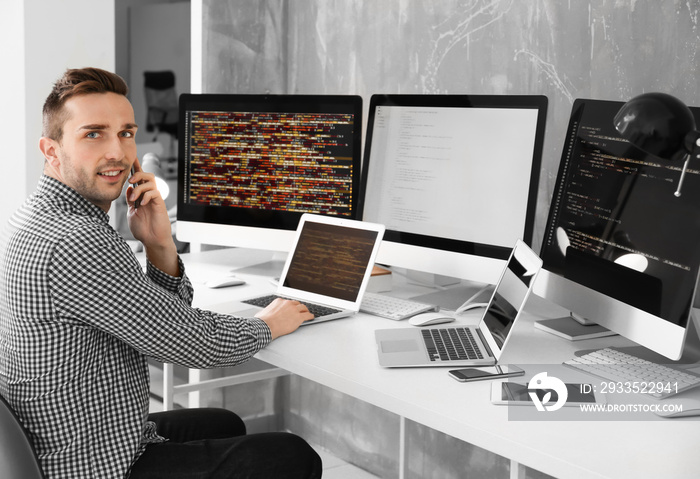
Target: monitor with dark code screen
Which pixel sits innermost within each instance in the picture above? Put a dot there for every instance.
(620, 249)
(251, 165)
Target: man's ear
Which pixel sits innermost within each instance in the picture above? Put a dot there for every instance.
(49, 149)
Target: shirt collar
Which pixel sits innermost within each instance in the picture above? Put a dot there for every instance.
(70, 199)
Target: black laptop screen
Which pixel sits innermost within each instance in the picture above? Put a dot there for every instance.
(330, 260)
(507, 300)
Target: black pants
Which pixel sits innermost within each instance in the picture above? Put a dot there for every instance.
(212, 444)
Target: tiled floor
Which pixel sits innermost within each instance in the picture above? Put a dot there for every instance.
(334, 468)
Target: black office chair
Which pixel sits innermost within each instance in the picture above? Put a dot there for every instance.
(161, 101)
(17, 455)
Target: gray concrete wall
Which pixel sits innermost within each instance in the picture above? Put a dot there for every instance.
(607, 49)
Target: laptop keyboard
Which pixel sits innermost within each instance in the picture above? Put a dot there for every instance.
(449, 344)
(316, 309)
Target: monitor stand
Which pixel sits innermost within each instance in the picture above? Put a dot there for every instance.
(573, 328)
(691, 349)
(272, 268)
(462, 296)
(432, 279)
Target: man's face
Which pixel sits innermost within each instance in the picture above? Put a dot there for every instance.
(98, 147)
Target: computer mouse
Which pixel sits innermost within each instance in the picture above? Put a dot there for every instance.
(426, 319)
(679, 407)
(675, 413)
(224, 282)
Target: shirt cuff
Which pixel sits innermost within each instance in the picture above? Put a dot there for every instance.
(263, 330)
(164, 280)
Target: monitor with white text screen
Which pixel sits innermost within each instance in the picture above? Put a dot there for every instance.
(454, 173)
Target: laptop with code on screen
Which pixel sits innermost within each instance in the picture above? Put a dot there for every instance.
(328, 268)
(478, 345)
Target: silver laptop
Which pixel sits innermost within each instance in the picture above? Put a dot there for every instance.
(328, 268)
(467, 345)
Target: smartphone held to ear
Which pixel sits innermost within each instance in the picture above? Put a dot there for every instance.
(489, 372)
(137, 203)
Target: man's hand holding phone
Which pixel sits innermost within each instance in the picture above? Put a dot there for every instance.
(148, 220)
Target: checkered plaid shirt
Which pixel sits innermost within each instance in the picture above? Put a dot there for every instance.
(78, 316)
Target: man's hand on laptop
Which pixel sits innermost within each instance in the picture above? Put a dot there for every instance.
(284, 316)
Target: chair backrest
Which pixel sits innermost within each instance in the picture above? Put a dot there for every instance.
(159, 80)
(161, 101)
(17, 455)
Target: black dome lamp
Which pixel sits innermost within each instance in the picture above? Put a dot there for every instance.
(662, 125)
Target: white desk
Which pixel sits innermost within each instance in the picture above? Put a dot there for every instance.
(341, 355)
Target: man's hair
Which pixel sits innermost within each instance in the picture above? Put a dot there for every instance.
(76, 82)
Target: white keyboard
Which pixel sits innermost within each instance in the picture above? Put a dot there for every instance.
(633, 374)
(393, 308)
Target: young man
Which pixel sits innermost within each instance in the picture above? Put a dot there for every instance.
(78, 315)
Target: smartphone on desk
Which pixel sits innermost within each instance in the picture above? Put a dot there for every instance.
(483, 373)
